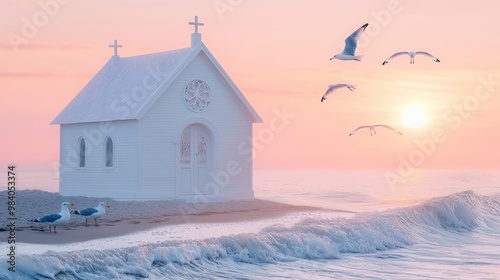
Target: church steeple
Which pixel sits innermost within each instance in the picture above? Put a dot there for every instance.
(196, 37)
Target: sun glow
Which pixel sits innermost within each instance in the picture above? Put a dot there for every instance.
(414, 116)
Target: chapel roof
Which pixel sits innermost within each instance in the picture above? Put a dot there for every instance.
(125, 88)
(122, 87)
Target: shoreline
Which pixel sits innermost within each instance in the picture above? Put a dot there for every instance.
(75, 231)
(129, 217)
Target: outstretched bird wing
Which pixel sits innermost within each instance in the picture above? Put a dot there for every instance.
(393, 56)
(351, 42)
(389, 127)
(435, 59)
(361, 127)
(331, 88)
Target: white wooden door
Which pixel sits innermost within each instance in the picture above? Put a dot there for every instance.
(194, 160)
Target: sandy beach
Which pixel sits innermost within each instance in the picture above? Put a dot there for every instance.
(126, 217)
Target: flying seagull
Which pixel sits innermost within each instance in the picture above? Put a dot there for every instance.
(56, 219)
(92, 213)
(331, 88)
(412, 56)
(351, 43)
(372, 128)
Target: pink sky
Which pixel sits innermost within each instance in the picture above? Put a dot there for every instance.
(278, 54)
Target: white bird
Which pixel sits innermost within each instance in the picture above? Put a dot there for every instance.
(372, 128)
(351, 43)
(56, 219)
(331, 88)
(92, 213)
(412, 55)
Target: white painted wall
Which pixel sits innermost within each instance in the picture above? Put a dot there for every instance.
(146, 152)
(160, 128)
(95, 179)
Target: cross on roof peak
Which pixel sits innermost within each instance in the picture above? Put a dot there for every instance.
(196, 24)
(116, 46)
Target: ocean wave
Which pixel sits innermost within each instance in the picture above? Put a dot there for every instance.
(310, 239)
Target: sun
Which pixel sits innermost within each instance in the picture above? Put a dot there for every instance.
(414, 116)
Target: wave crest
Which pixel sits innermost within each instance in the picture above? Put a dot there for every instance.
(308, 239)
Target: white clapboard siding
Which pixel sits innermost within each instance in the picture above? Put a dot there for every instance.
(95, 179)
(159, 131)
(145, 116)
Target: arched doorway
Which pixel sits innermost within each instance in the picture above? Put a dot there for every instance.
(195, 159)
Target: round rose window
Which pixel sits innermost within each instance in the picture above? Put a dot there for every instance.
(197, 95)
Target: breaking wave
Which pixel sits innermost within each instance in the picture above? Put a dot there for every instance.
(310, 239)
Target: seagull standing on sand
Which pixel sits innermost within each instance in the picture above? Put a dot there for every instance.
(56, 219)
(351, 43)
(331, 88)
(372, 128)
(92, 213)
(412, 56)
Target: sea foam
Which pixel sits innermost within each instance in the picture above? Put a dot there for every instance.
(310, 239)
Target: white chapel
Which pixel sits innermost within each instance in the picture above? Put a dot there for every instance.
(163, 126)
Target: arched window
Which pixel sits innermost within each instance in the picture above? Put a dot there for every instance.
(109, 152)
(81, 145)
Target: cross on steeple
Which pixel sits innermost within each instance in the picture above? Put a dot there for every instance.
(196, 24)
(116, 46)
